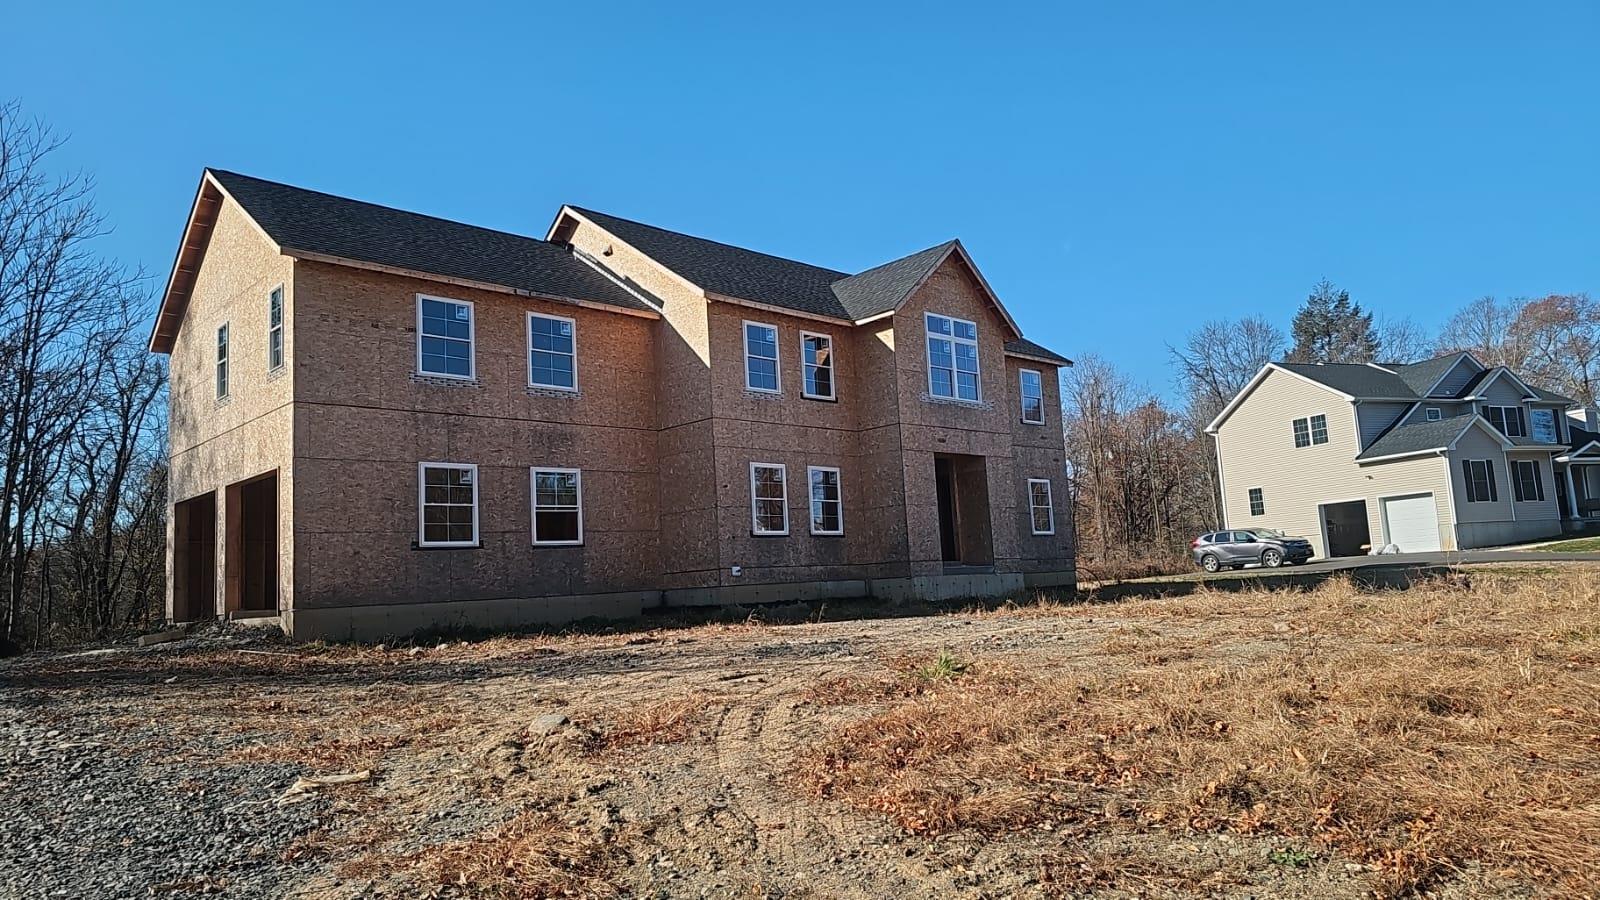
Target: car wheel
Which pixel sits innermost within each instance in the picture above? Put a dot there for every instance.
(1271, 559)
(1210, 563)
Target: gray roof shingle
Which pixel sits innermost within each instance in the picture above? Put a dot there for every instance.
(1356, 380)
(1423, 375)
(1417, 437)
(881, 288)
(1026, 347)
(300, 219)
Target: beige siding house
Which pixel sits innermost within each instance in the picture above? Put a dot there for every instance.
(1444, 454)
(384, 422)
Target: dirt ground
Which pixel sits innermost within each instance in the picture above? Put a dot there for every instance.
(655, 762)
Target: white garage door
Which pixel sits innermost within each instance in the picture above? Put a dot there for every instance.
(1412, 523)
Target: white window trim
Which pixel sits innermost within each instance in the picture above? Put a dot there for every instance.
(777, 359)
(838, 481)
(422, 496)
(1250, 501)
(1494, 490)
(283, 349)
(1433, 414)
(527, 333)
(1516, 481)
(755, 519)
(833, 380)
(928, 332)
(533, 501)
(1522, 414)
(222, 381)
(1311, 432)
(1049, 496)
(1022, 396)
(472, 338)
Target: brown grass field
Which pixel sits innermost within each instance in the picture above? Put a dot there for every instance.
(1332, 742)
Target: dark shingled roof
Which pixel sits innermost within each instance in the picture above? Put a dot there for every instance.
(1580, 436)
(314, 222)
(729, 270)
(1551, 396)
(880, 289)
(1417, 437)
(1356, 380)
(1425, 374)
(1026, 347)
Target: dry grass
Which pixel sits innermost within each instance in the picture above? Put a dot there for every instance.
(670, 721)
(1421, 732)
(533, 856)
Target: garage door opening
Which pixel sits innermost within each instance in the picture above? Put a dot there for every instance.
(194, 559)
(1411, 523)
(1344, 528)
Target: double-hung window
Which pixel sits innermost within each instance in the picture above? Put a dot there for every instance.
(816, 361)
(444, 337)
(769, 499)
(275, 329)
(1032, 391)
(1041, 512)
(1258, 502)
(1527, 479)
(1311, 430)
(222, 361)
(1507, 420)
(448, 497)
(827, 505)
(952, 357)
(1479, 477)
(557, 506)
(761, 357)
(552, 352)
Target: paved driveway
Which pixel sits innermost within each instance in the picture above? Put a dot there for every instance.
(1434, 559)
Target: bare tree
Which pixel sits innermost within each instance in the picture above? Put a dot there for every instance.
(1220, 357)
(1403, 340)
(1560, 340)
(1484, 328)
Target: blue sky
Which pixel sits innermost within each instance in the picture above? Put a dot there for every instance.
(1120, 171)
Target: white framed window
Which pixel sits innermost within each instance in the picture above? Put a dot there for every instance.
(552, 352)
(952, 357)
(1527, 480)
(447, 501)
(557, 506)
(1508, 420)
(827, 503)
(222, 361)
(1258, 502)
(445, 337)
(1041, 512)
(275, 329)
(761, 358)
(1479, 476)
(1311, 430)
(769, 498)
(1433, 413)
(816, 363)
(1031, 389)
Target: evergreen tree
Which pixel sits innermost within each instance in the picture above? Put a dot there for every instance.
(1331, 329)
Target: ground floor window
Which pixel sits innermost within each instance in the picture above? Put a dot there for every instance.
(1479, 476)
(1040, 509)
(827, 507)
(557, 506)
(1258, 502)
(448, 500)
(1526, 477)
(769, 500)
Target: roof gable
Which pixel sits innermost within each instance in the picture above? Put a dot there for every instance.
(1250, 388)
(1419, 438)
(883, 288)
(1359, 381)
(1424, 377)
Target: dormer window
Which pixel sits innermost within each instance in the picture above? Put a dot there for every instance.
(1507, 419)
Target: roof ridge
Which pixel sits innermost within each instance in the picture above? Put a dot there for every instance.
(384, 206)
(787, 259)
(899, 259)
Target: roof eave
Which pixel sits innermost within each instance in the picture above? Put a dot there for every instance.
(776, 310)
(1059, 361)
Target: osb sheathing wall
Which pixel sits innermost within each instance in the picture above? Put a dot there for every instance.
(366, 421)
(215, 443)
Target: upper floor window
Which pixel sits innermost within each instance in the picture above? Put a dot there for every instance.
(222, 361)
(1479, 476)
(816, 352)
(1311, 430)
(1032, 397)
(448, 501)
(769, 499)
(275, 329)
(444, 337)
(827, 507)
(552, 352)
(1041, 511)
(1508, 419)
(1543, 427)
(557, 506)
(761, 357)
(952, 357)
(1434, 414)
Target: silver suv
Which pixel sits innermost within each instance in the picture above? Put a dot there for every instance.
(1245, 546)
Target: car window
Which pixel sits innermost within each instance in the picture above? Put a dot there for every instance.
(1267, 533)
(1243, 537)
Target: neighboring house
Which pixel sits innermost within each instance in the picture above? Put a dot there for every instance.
(383, 421)
(1444, 454)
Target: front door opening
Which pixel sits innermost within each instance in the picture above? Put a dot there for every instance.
(1344, 528)
(252, 563)
(963, 496)
(194, 559)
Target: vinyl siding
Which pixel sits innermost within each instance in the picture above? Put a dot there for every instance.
(1256, 448)
(1377, 417)
(1486, 524)
(1457, 378)
(1447, 410)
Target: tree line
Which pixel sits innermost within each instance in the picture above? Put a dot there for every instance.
(1142, 470)
(82, 412)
